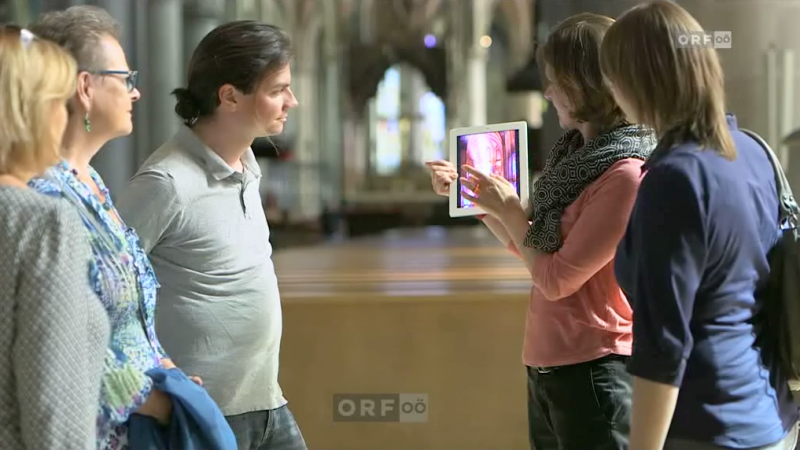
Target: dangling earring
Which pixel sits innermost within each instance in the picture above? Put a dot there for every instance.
(87, 124)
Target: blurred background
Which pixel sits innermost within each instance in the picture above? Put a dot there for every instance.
(380, 82)
(383, 292)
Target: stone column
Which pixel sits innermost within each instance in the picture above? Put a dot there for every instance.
(244, 9)
(270, 12)
(306, 147)
(199, 18)
(332, 104)
(476, 86)
(166, 53)
(477, 58)
(356, 152)
(19, 11)
(456, 40)
(417, 137)
(231, 10)
(755, 26)
(411, 91)
(116, 161)
(141, 61)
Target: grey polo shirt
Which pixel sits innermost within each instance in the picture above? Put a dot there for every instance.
(218, 313)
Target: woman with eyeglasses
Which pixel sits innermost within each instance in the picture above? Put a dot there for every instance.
(100, 110)
(53, 330)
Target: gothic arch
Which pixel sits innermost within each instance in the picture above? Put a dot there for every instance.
(516, 19)
(365, 11)
(309, 28)
(394, 37)
(303, 21)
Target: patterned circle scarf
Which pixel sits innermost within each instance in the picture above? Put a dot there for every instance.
(570, 168)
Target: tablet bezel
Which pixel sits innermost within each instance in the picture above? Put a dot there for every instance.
(524, 187)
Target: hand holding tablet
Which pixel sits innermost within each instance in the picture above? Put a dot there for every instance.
(443, 174)
(490, 192)
(497, 152)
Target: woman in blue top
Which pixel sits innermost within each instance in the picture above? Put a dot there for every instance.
(122, 276)
(694, 256)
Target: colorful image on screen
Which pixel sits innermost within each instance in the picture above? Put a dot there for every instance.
(495, 152)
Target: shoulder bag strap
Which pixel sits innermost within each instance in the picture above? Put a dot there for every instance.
(789, 210)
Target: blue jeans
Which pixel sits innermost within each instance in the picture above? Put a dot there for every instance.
(275, 429)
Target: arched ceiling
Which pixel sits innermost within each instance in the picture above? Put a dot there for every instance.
(304, 20)
(395, 19)
(400, 20)
(515, 18)
(392, 31)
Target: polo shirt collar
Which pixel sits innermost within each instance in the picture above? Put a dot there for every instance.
(213, 164)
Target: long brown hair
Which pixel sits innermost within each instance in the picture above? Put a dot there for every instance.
(570, 58)
(676, 89)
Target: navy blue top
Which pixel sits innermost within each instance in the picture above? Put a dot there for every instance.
(691, 261)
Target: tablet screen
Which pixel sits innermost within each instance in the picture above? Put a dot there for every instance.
(493, 152)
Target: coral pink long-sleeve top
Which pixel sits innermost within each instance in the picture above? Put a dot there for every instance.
(577, 311)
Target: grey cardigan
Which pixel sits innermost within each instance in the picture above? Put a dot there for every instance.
(53, 329)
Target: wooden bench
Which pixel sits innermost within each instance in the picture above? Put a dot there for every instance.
(434, 311)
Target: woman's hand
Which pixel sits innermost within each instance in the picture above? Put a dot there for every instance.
(492, 193)
(443, 174)
(157, 406)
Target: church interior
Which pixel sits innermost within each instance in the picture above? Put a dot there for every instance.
(382, 291)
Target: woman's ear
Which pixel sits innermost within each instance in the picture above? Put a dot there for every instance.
(84, 92)
(228, 97)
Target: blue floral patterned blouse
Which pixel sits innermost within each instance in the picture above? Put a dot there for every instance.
(125, 282)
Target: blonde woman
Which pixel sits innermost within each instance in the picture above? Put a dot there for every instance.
(695, 252)
(53, 329)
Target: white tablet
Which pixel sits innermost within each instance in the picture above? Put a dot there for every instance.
(497, 148)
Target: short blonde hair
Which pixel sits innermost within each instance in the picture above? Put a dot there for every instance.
(570, 58)
(677, 90)
(35, 74)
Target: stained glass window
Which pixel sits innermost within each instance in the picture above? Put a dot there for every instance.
(386, 149)
(433, 127)
(390, 127)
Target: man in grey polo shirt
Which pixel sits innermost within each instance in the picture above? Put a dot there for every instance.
(196, 206)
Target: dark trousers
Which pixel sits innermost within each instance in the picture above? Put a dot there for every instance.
(584, 406)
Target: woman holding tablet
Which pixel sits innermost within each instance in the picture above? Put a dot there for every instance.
(578, 326)
(695, 249)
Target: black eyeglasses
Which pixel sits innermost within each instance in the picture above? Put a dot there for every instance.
(130, 76)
